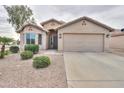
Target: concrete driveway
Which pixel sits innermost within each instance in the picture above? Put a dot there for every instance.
(94, 69)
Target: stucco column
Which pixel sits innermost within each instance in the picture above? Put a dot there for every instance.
(36, 39)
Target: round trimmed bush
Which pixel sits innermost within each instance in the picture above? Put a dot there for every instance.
(26, 55)
(41, 62)
(14, 49)
(32, 47)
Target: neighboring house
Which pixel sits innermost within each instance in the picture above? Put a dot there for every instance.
(117, 40)
(83, 34)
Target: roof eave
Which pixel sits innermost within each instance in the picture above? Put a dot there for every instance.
(42, 23)
(86, 18)
(20, 30)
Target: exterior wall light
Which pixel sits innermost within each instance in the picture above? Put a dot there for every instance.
(107, 36)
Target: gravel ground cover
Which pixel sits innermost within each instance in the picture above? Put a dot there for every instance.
(15, 72)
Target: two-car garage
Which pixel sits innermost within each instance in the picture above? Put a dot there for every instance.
(84, 35)
(83, 42)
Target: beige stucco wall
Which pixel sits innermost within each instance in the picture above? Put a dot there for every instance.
(79, 28)
(51, 25)
(117, 42)
(34, 30)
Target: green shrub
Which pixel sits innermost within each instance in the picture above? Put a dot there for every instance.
(26, 55)
(14, 49)
(2, 55)
(41, 62)
(32, 47)
(7, 52)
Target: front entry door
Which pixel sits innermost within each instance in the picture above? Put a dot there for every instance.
(53, 41)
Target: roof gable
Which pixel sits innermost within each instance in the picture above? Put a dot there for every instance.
(52, 20)
(88, 19)
(33, 25)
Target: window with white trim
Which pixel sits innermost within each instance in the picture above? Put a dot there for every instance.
(30, 38)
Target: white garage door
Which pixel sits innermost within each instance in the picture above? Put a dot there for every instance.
(84, 42)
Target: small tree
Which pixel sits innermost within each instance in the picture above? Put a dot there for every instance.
(4, 41)
(18, 15)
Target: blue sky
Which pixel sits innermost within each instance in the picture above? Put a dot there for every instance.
(111, 15)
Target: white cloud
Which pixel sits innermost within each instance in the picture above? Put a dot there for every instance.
(112, 15)
(6, 28)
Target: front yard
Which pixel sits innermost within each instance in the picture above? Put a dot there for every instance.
(15, 72)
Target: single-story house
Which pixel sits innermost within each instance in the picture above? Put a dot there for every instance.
(117, 40)
(83, 34)
(45, 35)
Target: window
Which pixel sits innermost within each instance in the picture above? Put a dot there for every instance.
(40, 39)
(30, 38)
(27, 38)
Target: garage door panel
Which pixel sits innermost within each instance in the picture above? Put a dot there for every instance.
(83, 42)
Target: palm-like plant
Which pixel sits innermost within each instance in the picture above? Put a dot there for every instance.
(4, 41)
